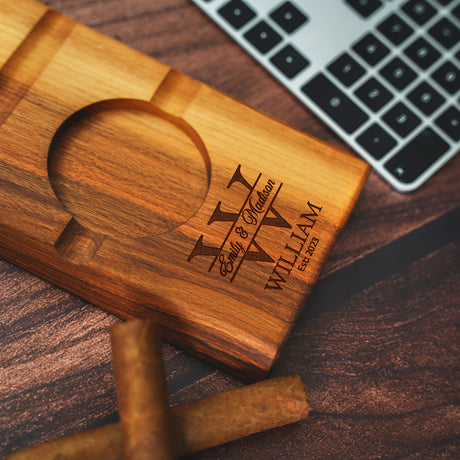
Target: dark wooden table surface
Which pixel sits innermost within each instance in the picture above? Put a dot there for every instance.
(377, 344)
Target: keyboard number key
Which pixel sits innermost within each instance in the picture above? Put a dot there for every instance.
(262, 37)
(446, 33)
(336, 104)
(419, 10)
(449, 122)
(237, 13)
(401, 119)
(422, 53)
(448, 76)
(371, 49)
(374, 94)
(395, 29)
(346, 69)
(289, 61)
(426, 98)
(417, 156)
(288, 17)
(398, 73)
(376, 141)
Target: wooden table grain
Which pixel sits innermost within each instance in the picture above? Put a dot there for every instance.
(377, 343)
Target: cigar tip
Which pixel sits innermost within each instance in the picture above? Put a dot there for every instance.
(133, 324)
(302, 394)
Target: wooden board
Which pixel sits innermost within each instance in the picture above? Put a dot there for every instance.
(148, 193)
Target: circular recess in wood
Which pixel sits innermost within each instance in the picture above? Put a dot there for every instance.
(125, 168)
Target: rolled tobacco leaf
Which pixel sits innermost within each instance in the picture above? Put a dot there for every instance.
(103, 443)
(141, 389)
(235, 414)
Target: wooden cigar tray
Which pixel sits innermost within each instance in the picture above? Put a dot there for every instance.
(150, 194)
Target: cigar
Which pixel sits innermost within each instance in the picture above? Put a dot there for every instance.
(141, 390)
(235, 414)
(103, 443)
(196, 426)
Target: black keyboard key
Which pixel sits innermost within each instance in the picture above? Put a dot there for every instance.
(374, 94)
(332, 101)
(422, 53)
(417, 156)
(398, 73)
(346, 69)
(237, 13)
(376, 141)
(456, 12)
(371, 49)
(401, 119)
(449, 122)
(395, 29)
(446, 33)
(288, 17)
(426, 98)
(365, 7)
(448, 76)
(289, 61)
(419, 10)
(262, 37)
(444, 2)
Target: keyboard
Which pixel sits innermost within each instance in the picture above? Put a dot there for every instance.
(383, 74)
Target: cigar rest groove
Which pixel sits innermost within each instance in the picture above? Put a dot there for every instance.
(151, 194)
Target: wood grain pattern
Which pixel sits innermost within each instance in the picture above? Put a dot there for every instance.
(147, 193)
(199, 49)
(381, 365)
